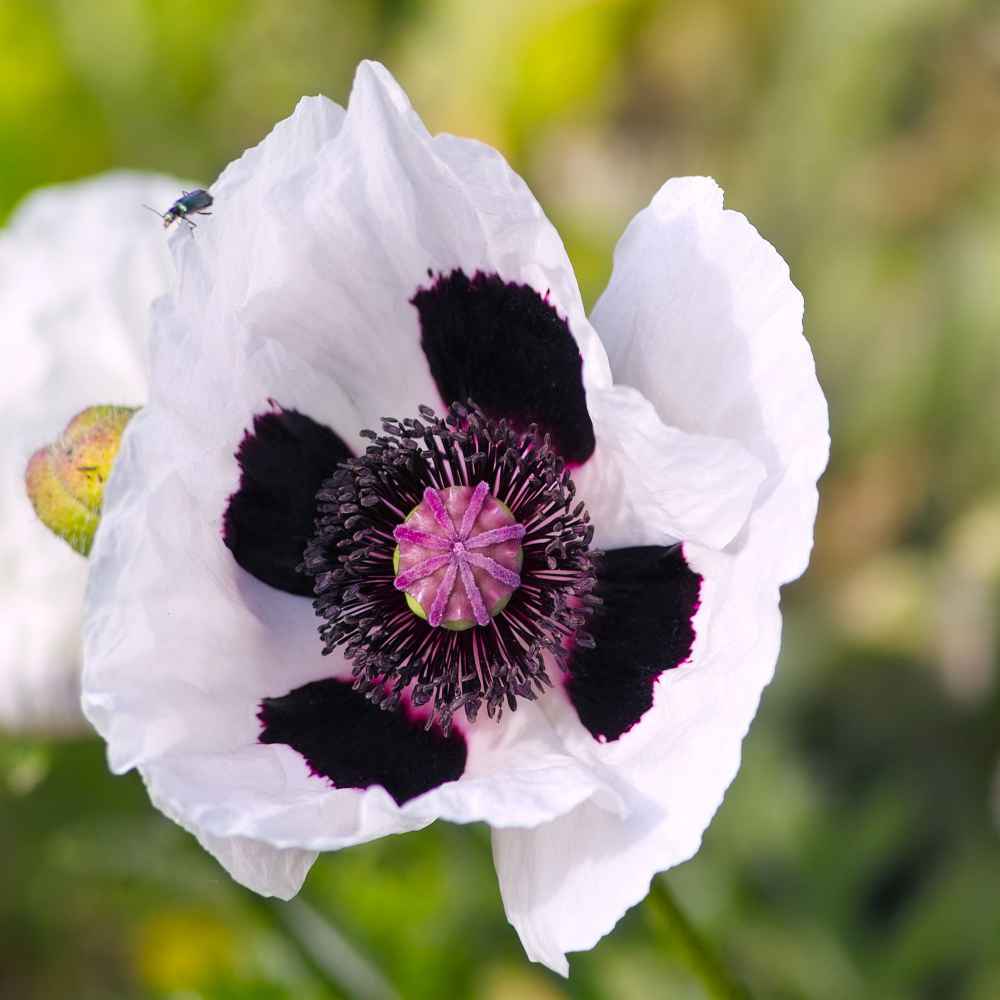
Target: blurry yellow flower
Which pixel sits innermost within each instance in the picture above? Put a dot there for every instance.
(182, 949)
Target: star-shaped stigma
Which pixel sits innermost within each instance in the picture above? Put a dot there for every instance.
(458, 552)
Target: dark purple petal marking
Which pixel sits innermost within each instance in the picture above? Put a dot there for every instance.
(643, 627)
(503, 345)
(346, 738)
(284, 460)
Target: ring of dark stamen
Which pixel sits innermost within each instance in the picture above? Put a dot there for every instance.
(350, 559)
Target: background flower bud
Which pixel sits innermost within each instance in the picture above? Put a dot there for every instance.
(65, 480)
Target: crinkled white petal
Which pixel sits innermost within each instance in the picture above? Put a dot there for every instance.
(270, 871)
(79, 266)
(321, 244)
(674, 765)
(649, 484)
(701, 316)
(266, 793)
(565, 884)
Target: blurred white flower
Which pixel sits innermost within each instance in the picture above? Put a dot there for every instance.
(588, 705)
(80, 265)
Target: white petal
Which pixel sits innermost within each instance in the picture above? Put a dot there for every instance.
(518, 775)
(649, 484)
(267, 794)
(677, 763)
(267, 870)
(674, 765)
(566, 884)
(324, 248)
(701, 316)
(180, 650)
(79, 266)
(270, 871)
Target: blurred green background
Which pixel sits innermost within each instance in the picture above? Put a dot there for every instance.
(857, 854)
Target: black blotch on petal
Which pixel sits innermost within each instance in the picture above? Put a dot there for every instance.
(284, 461)
(345, 738)
(643, 628)
(504, 346)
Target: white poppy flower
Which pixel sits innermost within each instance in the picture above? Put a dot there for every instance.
(79, 266)
(581, 677)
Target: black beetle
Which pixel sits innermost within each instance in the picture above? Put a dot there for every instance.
(190, 203)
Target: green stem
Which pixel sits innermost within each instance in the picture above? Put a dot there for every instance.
(323, 950)
(682, 936)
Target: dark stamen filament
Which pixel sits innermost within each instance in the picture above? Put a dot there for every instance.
(362, 510)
